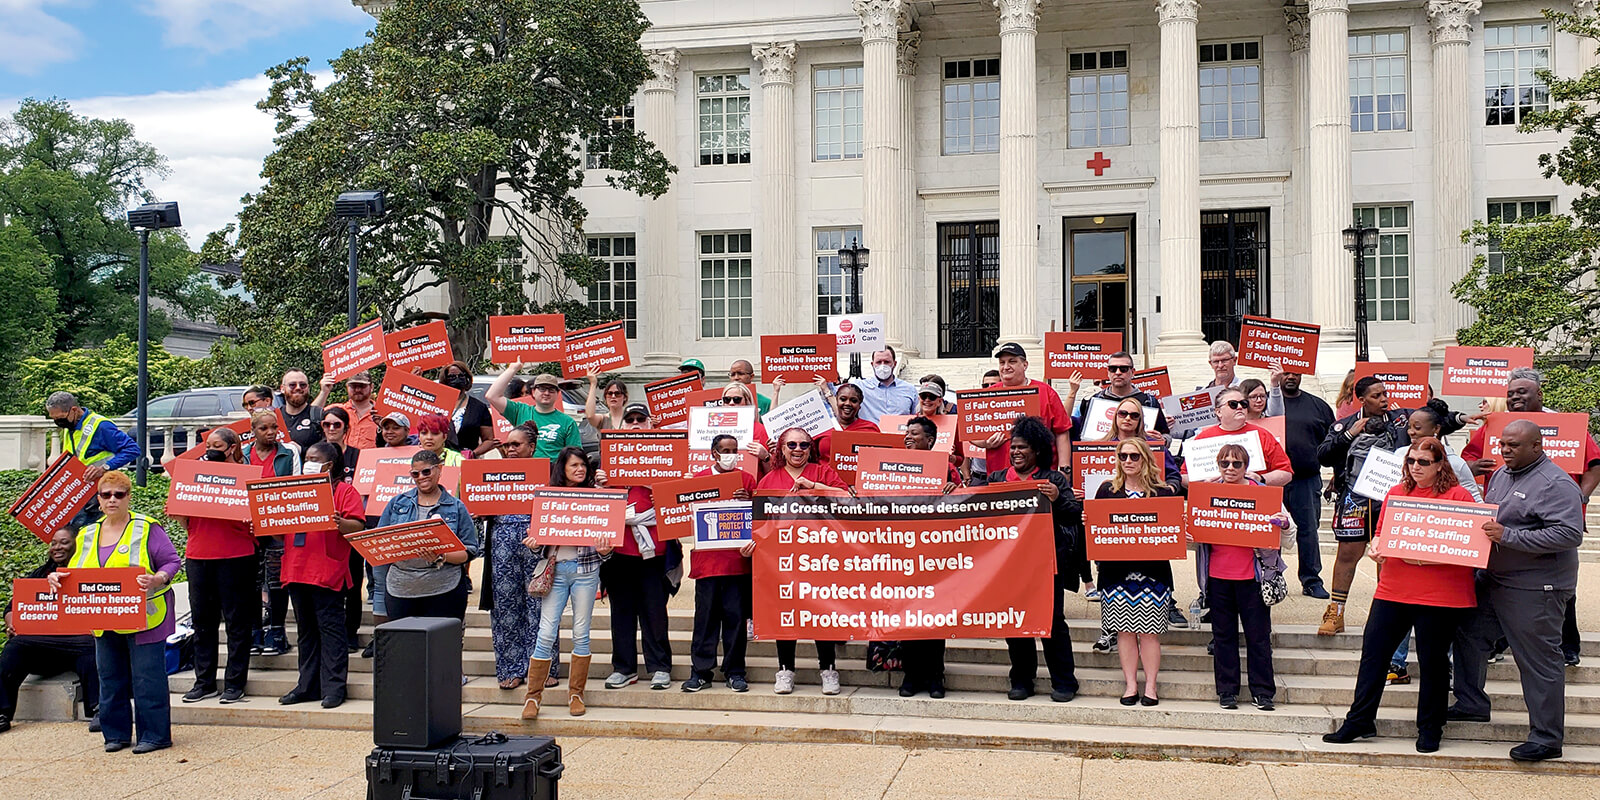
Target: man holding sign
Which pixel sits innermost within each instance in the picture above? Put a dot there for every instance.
(45, 654)
(1013, 367)
(557, 430)
(1119, 386)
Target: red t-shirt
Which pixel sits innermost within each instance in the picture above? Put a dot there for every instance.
(779, 480)
(212, 539)
(716, 563)
(323, 557)
(825, 439)
(1050, 410)
(264, 463)
(640, 498)
(1273, 452)
(1443, 585)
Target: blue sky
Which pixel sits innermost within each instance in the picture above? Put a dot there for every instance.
(186, 73)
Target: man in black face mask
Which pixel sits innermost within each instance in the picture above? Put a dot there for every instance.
(92, 439)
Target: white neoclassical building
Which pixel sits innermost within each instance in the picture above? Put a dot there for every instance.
(1158, 167)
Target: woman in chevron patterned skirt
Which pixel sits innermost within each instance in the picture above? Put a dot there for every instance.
(1135, 595)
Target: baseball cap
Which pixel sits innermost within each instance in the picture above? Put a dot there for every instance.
(1011, 349)
(692, 363)
(635, 408)
(360, 377)
(932, 388)
(398, 419)
(546, 379)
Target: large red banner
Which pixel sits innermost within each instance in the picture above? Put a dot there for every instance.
(599, 348)
(576, 516)
(800, 358)
(91, 599)
(1066, 352)
(528, 338)
(1146, 529)
(291, 504)
(1565, 437)
(354, 350)
(886, 471)
(846, 445)
(1481, 371)
(668, 398)
(54, 498)
(423, 347)
(1407, 381)
(413, 396)
(494, 486)
(985, 412)
(1436, 531)
(1234, 513)
(643, 457)
(212, 489)
(976, 563)
(1264, 342)
(423, 538)
(675, 500)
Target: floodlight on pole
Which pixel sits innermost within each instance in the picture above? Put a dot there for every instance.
(144, 219)
(356, 206)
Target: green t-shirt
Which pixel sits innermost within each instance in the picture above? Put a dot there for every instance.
(556, 429)
(763, 404)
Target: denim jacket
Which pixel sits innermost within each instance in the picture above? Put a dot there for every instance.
(454, 514)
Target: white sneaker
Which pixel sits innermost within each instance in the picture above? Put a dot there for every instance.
(830, 681)
(661, 680)
(784, 683)
(619, 680)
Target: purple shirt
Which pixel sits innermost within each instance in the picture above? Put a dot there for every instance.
(163, 557)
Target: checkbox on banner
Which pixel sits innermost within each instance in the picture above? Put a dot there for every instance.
(785, 563)
(786, 619)
(786, 591)
(786, 536)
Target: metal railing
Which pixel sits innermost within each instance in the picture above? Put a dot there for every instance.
(28, 442)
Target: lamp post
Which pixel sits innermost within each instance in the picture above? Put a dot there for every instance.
(144, 219)
(853, 260)
(356, 206)
(1361, 242)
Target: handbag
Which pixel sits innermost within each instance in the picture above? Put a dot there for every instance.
(1269, 576)
(883, 656)
(544, 576)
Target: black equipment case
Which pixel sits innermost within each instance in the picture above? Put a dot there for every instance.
(490, 767)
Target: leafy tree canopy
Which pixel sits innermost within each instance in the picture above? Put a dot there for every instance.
(27, 307)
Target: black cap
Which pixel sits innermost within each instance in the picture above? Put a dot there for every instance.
(1011, 349)
(635, 408)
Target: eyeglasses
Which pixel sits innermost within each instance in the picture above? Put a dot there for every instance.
(1119, 368)
(1237, 404)
(1231, 463)
(1130, 456)
(1420, 462)
(797, 445)
(732, 400)
(422, 473)
(1130, 414)
(333, 425)
(1217, 362)
(112, 494)
(1253, 398)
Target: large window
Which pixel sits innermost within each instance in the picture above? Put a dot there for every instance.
(1097, 99)
(833, 286)
(724, 118)
(725, 285)
(1511, 54)
(1230, 90)
(619, 120)
(616, 291)
(1511, 211)
(1377, 82)
(969, 288)
(1389, 272)
(972, 106)
(836, 115)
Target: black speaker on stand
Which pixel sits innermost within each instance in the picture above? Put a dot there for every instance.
(416, 675)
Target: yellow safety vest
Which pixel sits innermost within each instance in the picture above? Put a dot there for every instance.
(451, 458)
(77, 441)
(131, 551)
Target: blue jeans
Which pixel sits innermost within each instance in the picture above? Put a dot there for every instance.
(133, 689)
(1401, 652)
(581, 588)
(1303, 499)
(380, 590)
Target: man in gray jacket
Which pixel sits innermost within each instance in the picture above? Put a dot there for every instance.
(1532, 573)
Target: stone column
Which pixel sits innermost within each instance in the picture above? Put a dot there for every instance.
(1332, 272)
(780, 312)
(1588, 56)
(912, 277)
(659, 313)
(1451, 23)
(1179, 181)
(881, 228)
(1297, 18)
(1019, 173)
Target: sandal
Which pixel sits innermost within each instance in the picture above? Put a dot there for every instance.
(511, 683)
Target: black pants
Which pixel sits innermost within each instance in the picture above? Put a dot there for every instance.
(1235, 604)
(721, 605)
(324, 659)
(638, 589)
(223, 591)
(826, 655)
(277, 607)
(47, 655)
(1570, 639)
(353, 605)
(1387, 623)
(444, 604)
(923, 661)
(1057, 652)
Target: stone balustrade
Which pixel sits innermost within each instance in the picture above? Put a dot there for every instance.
(28, 442)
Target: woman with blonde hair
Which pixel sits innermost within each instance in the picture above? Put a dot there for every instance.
(1136, 594)
(1346, 403)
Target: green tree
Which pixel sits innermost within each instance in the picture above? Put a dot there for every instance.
(469, 115)
(69, 181)
(27, 308)
(105, 378)
(1547, 296)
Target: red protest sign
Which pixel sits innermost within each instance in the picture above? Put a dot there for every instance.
(799, 358)
(354, 350)
(423, 347)
(1094, 463)
(599, 348)
(701, 398)
(502, 426)
(240, 428)
(423, 538)
(1565, 437)
(1435, 531)
(896, 471)
(213, 489)
(393, 478)
(643, 457)
(944, 441)
(577, 516)
(291, 504)
(528, 338)
(985, 412)
(702, 460)
(1154, 382)
(1264, 342)
(413, 396)
(846, 446)
(1145, 529)
(668, 398)
(1481, 371)
(1066, 352)
(91, 599)
(54, 498)
(372, 459)
(1407, 381)
(1234, 513)
(675, 500)
(1274, 426)
(493, 486)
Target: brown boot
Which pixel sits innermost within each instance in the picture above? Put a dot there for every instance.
(577, 676)
(537, 669)
(1332, 620)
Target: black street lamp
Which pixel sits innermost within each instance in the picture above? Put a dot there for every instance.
(853, 261)
(356, 206)
(1361, 242)
(144, 219)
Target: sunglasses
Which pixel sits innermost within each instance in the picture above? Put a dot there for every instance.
(297, 385)
(422, 473)
(1237, 404)
(731, 400)
(634, 418)
(1420, 462)
(1130, 456)
(1119, 368)
(616, 394)
(1231, 463)
(334, 425)
(1130, 414)
(112, 494)
(797, 445)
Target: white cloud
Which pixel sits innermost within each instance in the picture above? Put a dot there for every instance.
(31, 39)
(216, 26)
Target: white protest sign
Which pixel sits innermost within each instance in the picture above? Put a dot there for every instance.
(1187, 413)
(706, 423)
(1097, 421)
(808, 411)
(858, 333)
(1381, 472)
(1200, 455)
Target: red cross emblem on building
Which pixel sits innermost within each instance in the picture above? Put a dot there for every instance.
(1099, 163)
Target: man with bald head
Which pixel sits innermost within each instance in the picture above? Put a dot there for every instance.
(1532, 574)
(744, 372)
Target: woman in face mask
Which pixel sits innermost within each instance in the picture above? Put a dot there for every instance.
(222, 567)
(316, 571)
(433, 435)
(721, 590)
(471, 427)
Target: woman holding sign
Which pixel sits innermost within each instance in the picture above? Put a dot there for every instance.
(847, 408)
(316, 571)
(277, 456)
(801, 469)
(132, 663)
(438, 586)
(222, 569)
(1433, 598)
(1135, 595)
(616, 395)
(514, 619)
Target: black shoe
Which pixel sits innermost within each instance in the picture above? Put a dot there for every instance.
(1176, 617)
(1019, 693)
(1262, 702)
(1062, 697)
(1349, 732)
(258, 640)
(112, 747)
(738, 684)
(1149, 702)
(366, 652)
(936, 691)
(94, 723)
(5, 723)
(1453, 715)
(1315, 590)
(1573, 659)
(145, 747)
(1227, 701)
(333, 702)
(275, 642)
(199, 693)
(1528, 751)
(907, 690)
(294, 697)
(1131, 700)
(231, 696)
(694, 684)
(1211, 648)
(1428, 742)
